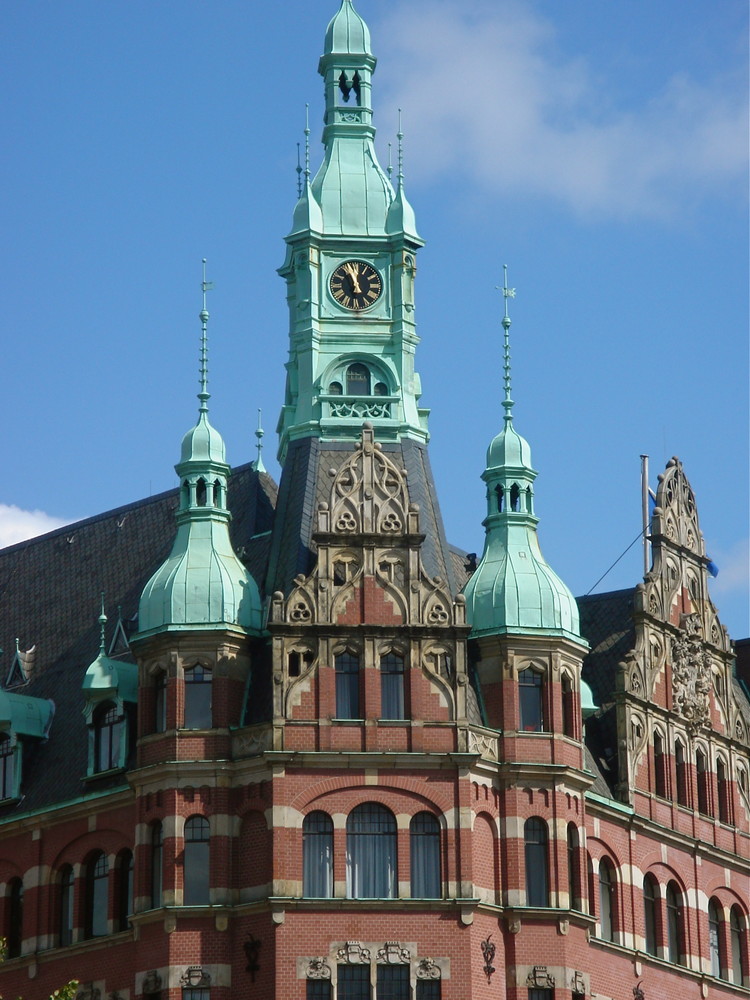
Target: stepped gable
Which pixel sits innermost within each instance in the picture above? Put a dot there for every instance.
(51, 589)
(306, 482)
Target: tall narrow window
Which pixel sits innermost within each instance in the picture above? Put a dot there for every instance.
(357, 380)
(353, 982)
(591, 884)
(160, 702)
(650, 904)
(424, 837)
(347, 686)
(196, 870)
(317, 855)
(568, 706)
(530, 693)
(392, 687)
(371, 852)
(67, 904)
(318, 989)
(7, 768)
(714, 938)
(393, 982)
(606, 901)
(109, 731)
(14, 931)
(428, 989)
(535, 853)
(674, 924)
(198, 698)
(723, 791)
(738, 936)
(574, 868)
(157, 864)
(660, 767)
(682, 775)
(124, 889)
(703, 776)
(96, 921)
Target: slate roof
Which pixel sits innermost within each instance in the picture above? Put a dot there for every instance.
(607, 624)
(50, 590)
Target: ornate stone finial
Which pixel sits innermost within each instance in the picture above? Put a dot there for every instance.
(204, 394)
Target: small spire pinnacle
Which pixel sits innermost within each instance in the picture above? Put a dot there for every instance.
(508, 293)
(307, 143)
(204, 395)
(299, 174)
(102, 623)
(400, 137)
(259, 466)
(390, 160)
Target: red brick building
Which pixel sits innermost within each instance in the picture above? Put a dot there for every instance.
(321, 753)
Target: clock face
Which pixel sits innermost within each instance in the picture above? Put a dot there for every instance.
(356, 285)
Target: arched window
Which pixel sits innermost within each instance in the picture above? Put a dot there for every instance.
(157, 864)
(160, 702)
(371, 852)
(703, 775)
(96, 922)
(574, 867)
(675, 948)
(200, 492)
(66, 905)
(424, 839)
(738, 938)
(606, 901)
(335, 389)
(14, 929)
(591, 884)
(198, 698)
(568, 705)
(317, 855)
(650, 910)
(714, 937)
(660, 766)
(500, 494)
(380, 389)
(357, 380)
(124, 889)
(530, 698)
(724, 791)
(7, 768)
(535, 853)
(197, 864)
(515, 495)
(682, 775)
(392, 687)
(109, 732)
(347, 686)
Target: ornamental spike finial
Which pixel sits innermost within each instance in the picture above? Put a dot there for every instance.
(299, 174)
(390, 160)
(259, 466)
(307, 143)
(400, 137)
(102, 623)
(204, 395)
(508, 293)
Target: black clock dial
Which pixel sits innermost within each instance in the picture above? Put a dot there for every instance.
(356, 285)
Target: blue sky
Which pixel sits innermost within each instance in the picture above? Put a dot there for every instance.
(599, 149)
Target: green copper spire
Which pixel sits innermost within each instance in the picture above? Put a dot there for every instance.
(352, 344)
(107, 677)
(513, 590)
(202, 585)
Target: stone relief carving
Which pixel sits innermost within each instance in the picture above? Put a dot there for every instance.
(393, 954)
(485, 746)
(151, 982)
(194, 975)
(540, 977)
(318, 968)
(578, 983)
(691, 675)
(353, 953)
(428, 968)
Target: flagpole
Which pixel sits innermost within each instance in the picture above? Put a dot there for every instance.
(644, 512)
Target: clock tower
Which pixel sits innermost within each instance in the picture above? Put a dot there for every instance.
(350, 268)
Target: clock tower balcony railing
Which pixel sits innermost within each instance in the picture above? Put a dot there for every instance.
(357, 407)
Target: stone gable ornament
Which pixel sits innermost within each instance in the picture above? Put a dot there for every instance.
(393, 954)
(539, 977)
(353, 953)
(428, 969)
(691, 675)
(318, 968)
(578, 983)
(195, 976)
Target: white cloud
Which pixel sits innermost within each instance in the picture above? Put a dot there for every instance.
(16, 525)
(489, 97)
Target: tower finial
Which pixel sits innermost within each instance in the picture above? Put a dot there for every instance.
(390, 159)
(204, 395)
(259, 466)
(299, 174)
(102, 623)
(400, 137)
(508, 293)
(307, 143)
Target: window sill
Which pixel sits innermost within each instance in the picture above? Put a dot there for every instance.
(104, 774)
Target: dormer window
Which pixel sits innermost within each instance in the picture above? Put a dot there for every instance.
(8, 789)
(109, 733)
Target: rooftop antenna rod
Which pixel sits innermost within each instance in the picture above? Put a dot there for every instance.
(644, 512)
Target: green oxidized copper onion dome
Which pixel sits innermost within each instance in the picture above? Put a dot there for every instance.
(347, 32)
(513, 590)
(203, 584)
